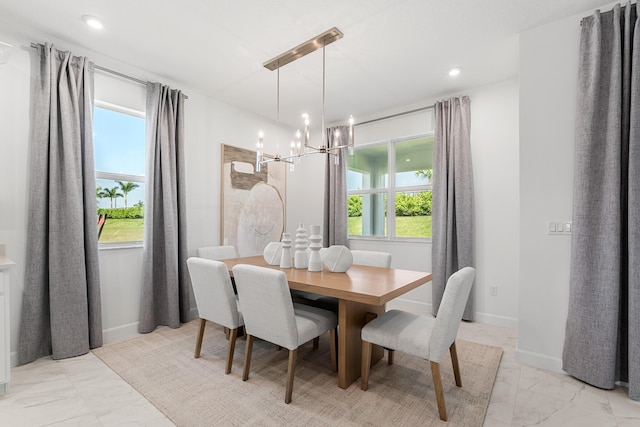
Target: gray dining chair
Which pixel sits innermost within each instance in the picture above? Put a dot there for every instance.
(271, 316)
(216, 301)
(425, 337)
(216, 252)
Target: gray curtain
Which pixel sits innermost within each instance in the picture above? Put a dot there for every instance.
(165, 287)
(602, 341)
(452, 198)
(61, 313)
(335, 191)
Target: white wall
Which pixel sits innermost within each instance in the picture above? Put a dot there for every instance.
(548, 94)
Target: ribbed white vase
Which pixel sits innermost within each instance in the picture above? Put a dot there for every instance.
(315, 262)
(301, 257)
(285, 259)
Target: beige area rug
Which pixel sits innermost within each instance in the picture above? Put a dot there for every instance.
(196, 392)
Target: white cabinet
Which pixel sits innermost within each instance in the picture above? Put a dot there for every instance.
(5, 348)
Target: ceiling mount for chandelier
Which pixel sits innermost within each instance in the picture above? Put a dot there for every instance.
(301, 146)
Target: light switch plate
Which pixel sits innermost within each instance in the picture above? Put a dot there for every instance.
(559, 228)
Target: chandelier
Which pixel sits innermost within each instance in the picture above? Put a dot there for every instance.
(301, 145)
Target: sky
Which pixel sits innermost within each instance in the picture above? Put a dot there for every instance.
(119, 145)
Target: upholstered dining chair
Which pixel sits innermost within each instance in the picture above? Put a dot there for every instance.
(216, 252)
(216, 301)
(271, 315)
(425, 337)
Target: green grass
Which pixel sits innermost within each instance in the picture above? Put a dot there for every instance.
(406, 226)
(122, 230)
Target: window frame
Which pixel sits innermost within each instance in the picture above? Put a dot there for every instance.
(112, 176)
(391, 190)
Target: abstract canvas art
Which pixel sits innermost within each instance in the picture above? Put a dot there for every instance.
(252, 203)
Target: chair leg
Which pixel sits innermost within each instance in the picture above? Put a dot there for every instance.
(247, 357)
(390, 358)
(203, 323)
(290, 372)
(437, 385)
(454, 362)
(316, 343)
(232, 346)
(334, 359)
(366, 365)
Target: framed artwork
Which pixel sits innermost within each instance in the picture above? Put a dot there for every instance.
(252, 205)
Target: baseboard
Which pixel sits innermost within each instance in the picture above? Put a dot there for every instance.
(538, 360)
(495, 320)
(425, 308)
(119, 332)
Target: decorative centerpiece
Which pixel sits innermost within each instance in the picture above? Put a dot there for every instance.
(285, 258)
(315, 261)
(273, 253)
(301, 257)
(337, 258)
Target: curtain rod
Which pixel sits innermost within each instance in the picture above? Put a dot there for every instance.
(115, 73)
(430, 107)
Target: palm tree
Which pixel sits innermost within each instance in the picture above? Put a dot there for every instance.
(126, 188)
(112, 193)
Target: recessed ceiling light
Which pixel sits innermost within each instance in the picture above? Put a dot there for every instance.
(407, 159)
(455, 71)
(93, 22)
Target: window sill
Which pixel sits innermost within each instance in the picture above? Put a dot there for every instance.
(119, 245)
(387, 239)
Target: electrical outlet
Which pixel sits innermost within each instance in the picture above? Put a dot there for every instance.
(493, 291)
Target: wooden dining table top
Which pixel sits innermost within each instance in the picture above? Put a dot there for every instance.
(367, 285)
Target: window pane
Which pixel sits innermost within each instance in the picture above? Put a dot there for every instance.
(124, 206)
(414, 159)
(413, 214)
(119, 141)
(119, 150)
(368, 168)
(367, 215)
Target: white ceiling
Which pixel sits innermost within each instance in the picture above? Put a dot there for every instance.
(395, 53)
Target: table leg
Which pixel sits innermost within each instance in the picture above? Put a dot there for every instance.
(351, 319)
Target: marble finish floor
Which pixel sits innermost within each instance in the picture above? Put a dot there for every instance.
(83, 391)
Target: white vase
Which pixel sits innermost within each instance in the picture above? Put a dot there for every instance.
(300, 256)
(315, 262)
(285, 259)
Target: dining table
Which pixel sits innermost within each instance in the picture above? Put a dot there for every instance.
(362, 294)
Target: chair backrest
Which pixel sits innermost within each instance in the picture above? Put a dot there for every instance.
(371, 258)
(216, 252)
(454, 300)
(266, 304)
(213, 292)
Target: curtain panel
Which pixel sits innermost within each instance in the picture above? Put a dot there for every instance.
(452, 199)
(61, 309)
(335, 230)
(165, 287)
(602, 341)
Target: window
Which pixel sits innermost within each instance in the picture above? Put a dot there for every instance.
(389, 189)
(119, 149)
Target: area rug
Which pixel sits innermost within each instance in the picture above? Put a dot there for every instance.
(196, 392)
